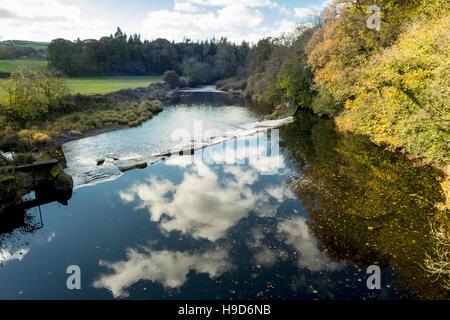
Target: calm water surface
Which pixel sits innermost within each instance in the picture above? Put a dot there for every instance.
(186, 228)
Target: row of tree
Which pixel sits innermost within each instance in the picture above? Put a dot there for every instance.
(12, 50)
(120, 54)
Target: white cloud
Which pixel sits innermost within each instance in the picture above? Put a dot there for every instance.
(305, 12)
(204, 19)
(185, 7)
(250, 20)
(169, 268)
(224, 3)
(6, 256)
(297, 234)
(227, 21)
(200, 205)
(44, 20)
(311, 10)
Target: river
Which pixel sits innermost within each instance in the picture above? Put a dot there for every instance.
(298, 212)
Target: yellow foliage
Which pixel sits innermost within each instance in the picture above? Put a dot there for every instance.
(402, 97)
(41, 137)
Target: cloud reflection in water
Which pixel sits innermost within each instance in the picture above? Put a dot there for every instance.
(169, 268)
(206, 204)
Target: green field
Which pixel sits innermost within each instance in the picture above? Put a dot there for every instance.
(11, 65)
(103, 85)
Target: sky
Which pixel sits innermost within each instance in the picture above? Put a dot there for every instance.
(238, 20)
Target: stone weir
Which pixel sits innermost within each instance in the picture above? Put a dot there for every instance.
(45, 177)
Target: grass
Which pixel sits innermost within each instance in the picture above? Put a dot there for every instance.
(103, 85)
(11, 65)
(3, 83)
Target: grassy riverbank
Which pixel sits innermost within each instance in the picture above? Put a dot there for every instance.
(83, 114)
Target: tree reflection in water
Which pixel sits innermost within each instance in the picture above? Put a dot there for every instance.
(368, 205)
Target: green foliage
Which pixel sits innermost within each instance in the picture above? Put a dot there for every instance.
(31, 94)
(122, 54)
(295, 77)
(197, 72)
(323, 103)
(18, 49)
(172, 78)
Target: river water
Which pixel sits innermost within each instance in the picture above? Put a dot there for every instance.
(295, 213)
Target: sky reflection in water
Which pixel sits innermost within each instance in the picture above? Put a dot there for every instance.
(190, 229)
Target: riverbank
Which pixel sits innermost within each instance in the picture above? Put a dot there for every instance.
(86, 115)
(286, 109)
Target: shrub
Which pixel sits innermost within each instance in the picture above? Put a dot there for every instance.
(153, 106)
(41, 137)
(146, 115)
(172, 79)
(131, 116)
(136, 123)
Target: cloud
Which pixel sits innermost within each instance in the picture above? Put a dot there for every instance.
(178, 24)
(6, 256)
(224, 3)
(169, 268)
(185, 7)
(204, 19)
(46, 20)
(305, 12)
(311, 10)
(200, 205)
(297, 234)
(4, 13)
(204, 205)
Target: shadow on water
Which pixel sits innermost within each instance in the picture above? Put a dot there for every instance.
(368, 205)
(20, 210)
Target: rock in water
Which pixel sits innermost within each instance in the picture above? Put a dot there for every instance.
(141, 165)
(100, 161)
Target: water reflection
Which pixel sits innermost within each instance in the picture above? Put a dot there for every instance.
(14, 226)
(204, 204)
(297, 234)
(168, 268)
(192, 229)
(367, 205)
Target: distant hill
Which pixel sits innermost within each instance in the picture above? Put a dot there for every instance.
(23, 49)
(25, 43)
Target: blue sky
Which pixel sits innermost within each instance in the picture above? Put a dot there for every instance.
(250, 20)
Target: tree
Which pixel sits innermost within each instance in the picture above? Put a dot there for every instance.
(31, 94)
(198, 72)
(295, 76)
(172, 79)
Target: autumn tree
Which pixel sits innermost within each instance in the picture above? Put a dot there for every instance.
(31, 94)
